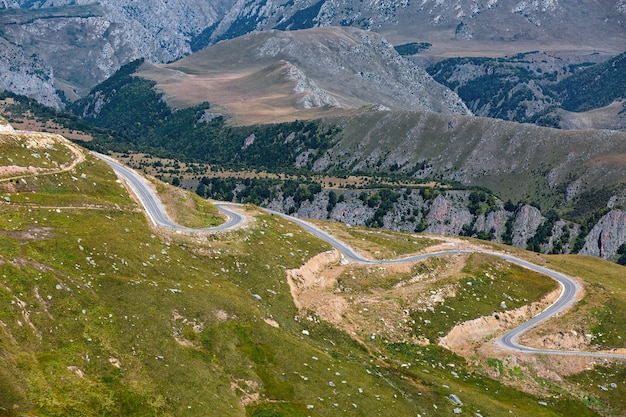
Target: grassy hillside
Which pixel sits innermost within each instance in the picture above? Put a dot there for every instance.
(572, 171)
(101, 315)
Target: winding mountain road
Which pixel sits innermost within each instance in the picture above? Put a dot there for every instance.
(155, 209)
(569, 287)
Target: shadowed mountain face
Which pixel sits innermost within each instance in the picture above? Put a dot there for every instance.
(84, 44)
(275, 75)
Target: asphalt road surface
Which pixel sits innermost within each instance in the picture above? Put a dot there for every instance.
(570, 288)
(155, 209)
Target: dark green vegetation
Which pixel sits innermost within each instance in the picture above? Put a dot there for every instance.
(258, 191)
(412, 48)
(303, 18)
(530, 87)
(507, 89)
(622, 254)
(595, 86)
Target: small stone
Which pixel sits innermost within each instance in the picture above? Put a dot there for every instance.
(455, 399)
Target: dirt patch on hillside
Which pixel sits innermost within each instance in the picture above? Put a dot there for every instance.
(311, 286)
(465, 338)
(31, 232)
(375, 311)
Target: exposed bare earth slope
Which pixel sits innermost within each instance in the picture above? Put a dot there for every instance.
(273, 75)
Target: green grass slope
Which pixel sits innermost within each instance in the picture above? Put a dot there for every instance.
(575, 171)
(101, 315)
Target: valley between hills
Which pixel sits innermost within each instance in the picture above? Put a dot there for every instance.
(312, 208)
(100, 307)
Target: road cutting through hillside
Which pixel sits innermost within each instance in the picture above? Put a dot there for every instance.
(569, 287)
(155, 209)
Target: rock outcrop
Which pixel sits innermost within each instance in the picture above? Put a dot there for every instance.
(5, 127)
(449, 214)
(27, 75)
(607, 235)
(527, 221)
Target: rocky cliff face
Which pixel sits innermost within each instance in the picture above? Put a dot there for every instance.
(449, 213)
(27, 75)
(607, 235)
(83, 44)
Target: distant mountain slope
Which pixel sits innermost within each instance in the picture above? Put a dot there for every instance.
(467, 23)
(584, 92)
(82, 44)
(594, 87)
(274, 76)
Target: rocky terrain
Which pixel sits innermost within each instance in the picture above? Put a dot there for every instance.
(451, 213)
(280, 74)
(83, 43)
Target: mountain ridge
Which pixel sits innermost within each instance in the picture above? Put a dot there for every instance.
(117, 32)
(287, 73)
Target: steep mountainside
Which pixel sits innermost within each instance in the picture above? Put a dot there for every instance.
(86, 43)
(584, 92)
(276, 75)
(450, 25)
(83, 43)
(104, 315)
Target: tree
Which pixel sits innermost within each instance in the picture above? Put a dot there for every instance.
(622, 252)
(332, 201)
(201, 190)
